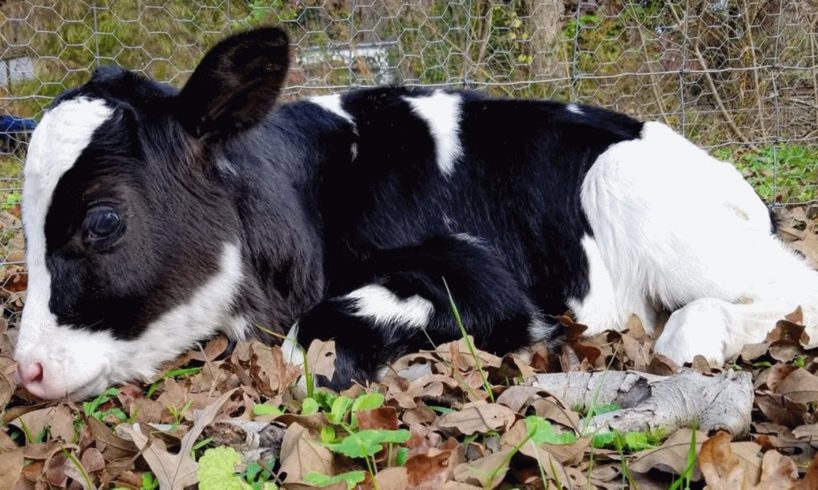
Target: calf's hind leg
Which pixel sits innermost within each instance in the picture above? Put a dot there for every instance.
(682, 230)
(718, 329)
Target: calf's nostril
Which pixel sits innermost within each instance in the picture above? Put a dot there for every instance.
(30, 372)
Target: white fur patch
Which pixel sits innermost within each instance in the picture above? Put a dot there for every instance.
(293, 353)
(538, 329)
(79, 363)
(574, 108)
(441, 112)
(64, 132)
(597, 309)
(677, 228)
(470, 239)
(334, 104)
(237, 327)
(382, 306)
(448, 222)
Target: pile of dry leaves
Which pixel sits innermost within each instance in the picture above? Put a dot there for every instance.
(448, 418)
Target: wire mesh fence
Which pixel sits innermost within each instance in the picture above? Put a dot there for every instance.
(737, 76)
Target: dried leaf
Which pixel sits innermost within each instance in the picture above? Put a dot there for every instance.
(777, 373)
(176, 471)
(796, 316)
(379, 418)
(55, 472)
(488, 472)
(282, 373)
(635, 351)
(517, 397)
(394, 478)
(787, 331)
(11, 467)
(785, 351)
(720, 467)
(553, 409)
(419, 415)
(751, 352)
(92, 460)
(110, 444)
(56, 418)
(321, 358)
(42, 450)
(810, 479)
(478, 418)
(212, 350)
(6, 390)
(800, 386)
(569, 360)
(671, 456)
(701, 365)
(806, 431)
(6, 442)
(429, 471)
(300, 454)
(456, 485)
(780, 409)
(457, 353)
(778, 472)
(662, 365)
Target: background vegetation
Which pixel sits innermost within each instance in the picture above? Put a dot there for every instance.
(738, 76)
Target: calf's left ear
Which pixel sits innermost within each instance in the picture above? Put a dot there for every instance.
(236, 84)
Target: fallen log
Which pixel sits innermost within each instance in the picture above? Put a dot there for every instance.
(686, 399)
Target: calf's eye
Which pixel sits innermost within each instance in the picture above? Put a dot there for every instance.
(101, 222)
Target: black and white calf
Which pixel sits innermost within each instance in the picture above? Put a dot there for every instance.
(156, 218)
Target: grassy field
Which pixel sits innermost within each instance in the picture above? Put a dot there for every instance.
(783, 174)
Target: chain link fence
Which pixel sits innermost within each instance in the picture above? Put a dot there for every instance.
(737, 76)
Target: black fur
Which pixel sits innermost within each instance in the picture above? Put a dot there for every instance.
(323, 207)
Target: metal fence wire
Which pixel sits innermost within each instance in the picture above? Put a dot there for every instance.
(739, 77)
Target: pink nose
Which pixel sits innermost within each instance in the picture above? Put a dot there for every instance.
(30, 373)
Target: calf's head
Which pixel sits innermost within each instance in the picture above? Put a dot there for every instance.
(133, 241)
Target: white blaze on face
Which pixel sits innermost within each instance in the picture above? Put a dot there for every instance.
(58, 141)
(79, 363)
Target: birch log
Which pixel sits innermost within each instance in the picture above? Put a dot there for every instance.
(718, 402)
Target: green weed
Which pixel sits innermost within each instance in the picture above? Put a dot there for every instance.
(629, 442)
(217, 470)
(173, 373)
(540, 431)
(782, 173)
(178, 414)
(683, 480)
(469, 343)
(350, 478)
(92, 408)
(149, 481)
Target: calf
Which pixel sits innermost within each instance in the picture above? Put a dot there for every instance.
(156, 218)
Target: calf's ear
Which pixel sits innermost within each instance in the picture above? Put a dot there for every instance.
(236, 84)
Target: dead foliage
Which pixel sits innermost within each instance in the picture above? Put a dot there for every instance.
(430, 424)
